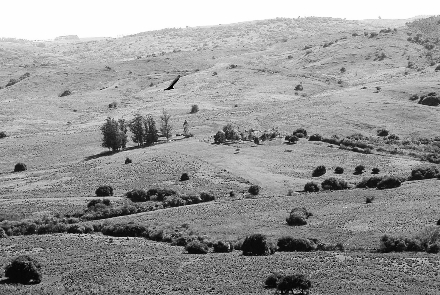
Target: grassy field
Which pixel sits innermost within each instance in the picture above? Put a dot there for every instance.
(251, 84)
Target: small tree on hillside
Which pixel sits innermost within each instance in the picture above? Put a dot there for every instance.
(114, 134)
(166, 126)
(137, 128)
(151, 135)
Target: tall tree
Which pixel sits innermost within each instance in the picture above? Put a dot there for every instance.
(137, 127)
(114, 134)
(151, 135)
(165, 126)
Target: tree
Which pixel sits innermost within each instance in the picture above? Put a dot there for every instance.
(137, 128)
(166, 126)
(151, 135)
(114, 134)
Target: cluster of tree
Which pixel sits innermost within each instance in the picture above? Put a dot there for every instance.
(143, 128)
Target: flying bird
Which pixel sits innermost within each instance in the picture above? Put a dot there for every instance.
(173, 83)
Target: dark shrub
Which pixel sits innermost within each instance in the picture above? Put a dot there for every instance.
(19, 167)
(175, 201)
(369, 200)
(438, 222)
(375, 171)
(414, 245)
(433, 248)
(104, 191)
(334, 184)
(161, 194)
(299, 87)
(424, 173)
(300, 132)
(257, 245)
(296, 220)
(137, 195)
(382, 132)
(230, 132)
(125, 230)
(191, 199)
(128, 160)
(319, 171)
(223, 247)
(315, 137)
(392, 244)
(24, 269)
(272, 280)
(206, 197)
(254, 190)
(3, 134)
(359, 169)
(294, 282)
(291, 138)
(389, 182)
(339, 170)
(290, 244)
(197, 247)
(94, 202)
(370, 182)
(311, 187)
(393, 137)
(437, 68)
(194, 109)
(184, 177)
(76, 229)
(219, 137)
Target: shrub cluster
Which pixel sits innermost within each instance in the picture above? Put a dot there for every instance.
(424, 173)
(315, 137)
(380, 182)
(429, 243)
(3, 134)
(311, 187)
(359, 169)
(197, 247)
(257, 245)
(339, 170)
(254, 190)
(19, 167)
(104, 191)
(292, 283)
(334, 184)
(137, 195)
(319, 171)
(298, 216)
(223, 247)
(290, 244)
(24, 270)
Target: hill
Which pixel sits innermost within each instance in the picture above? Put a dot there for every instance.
(356, 78)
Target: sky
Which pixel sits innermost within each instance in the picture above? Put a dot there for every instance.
(47, 19)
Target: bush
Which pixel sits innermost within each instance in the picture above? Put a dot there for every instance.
(291, 138)
(191, 199)
(294, 282)
(104, 191)
(137, 195)
(76, 229)
(3, 134)
(311, 187)
(375, 171)
(254, 190)
(359, 169)
(128, 160)
(257, 245)
(339, 170)
(194, 109)
(437, 68)
(206, 197)
(334, 184)
(223, 247)
(389, 182)
(382, 132)
(299, 87)
(174, 202)
(300, 132)
(125, 230)
(230, 132)
(219, 137)
(160, 194)
(197, 247)
(315, 137)
(290, 244)
(369, 200)
(370, 182)
(24, 269)
(319, 171)
(19, 167)
(424, 173)
(272, 280)
(296, 220)
(433, 248)
(184, 177)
